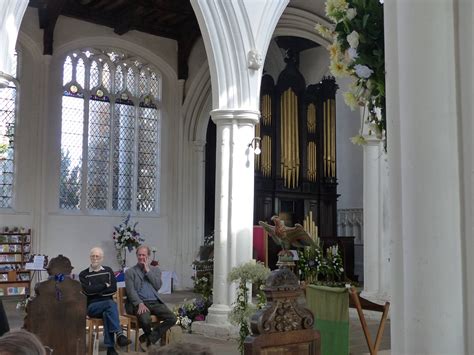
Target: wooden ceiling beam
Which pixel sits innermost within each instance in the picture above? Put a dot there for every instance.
(170, 19)
(185, 45)
(126, 20)
(48, 13)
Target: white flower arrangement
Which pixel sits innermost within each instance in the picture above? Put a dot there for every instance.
(126, 235)
(357, 51)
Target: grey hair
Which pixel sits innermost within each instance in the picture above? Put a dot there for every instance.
(144, 247)
(21, 342)
(99, 249)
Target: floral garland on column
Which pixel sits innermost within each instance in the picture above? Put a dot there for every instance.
(357, 51)
(248, 273)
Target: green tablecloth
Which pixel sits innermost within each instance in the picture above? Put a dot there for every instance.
(330, 306)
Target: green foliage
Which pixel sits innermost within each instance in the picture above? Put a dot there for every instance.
(203, 285)
(317, 268)
(357, 51)
(70, 186)
(4, 148)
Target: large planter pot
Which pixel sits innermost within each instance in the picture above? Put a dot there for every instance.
(330, 307)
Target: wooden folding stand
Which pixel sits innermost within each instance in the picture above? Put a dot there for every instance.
(359, 303)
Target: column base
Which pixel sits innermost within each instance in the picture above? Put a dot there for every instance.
(376, 297)
(217, 324)
(220, 331)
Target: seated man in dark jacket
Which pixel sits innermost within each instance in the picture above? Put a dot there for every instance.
(143, 282)
(99, 285)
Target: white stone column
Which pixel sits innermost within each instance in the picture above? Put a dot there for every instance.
(11, 14)
(376, 245)
(236, 35)
(234, 207)
(428, 305)
(464, 33)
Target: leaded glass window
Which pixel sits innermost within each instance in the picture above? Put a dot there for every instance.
(8, 112)
(110, 134)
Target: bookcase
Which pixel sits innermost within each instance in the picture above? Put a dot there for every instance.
(15, 247)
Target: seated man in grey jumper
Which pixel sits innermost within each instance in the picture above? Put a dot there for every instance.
(142, 283)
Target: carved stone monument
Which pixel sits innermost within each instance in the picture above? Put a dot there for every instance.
(284, 326)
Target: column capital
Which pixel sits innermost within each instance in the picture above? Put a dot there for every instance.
(241, 115)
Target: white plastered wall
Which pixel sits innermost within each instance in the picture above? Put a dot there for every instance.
(38, 145)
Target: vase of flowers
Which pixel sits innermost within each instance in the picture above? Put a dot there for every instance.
(126, 238)
(357, 51)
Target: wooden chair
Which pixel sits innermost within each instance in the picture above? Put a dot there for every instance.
(95, 326)
(134, 323)
(359, 303)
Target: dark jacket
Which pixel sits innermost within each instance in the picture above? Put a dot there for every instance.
(94, 284)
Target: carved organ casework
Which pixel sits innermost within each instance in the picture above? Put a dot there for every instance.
(295, 175)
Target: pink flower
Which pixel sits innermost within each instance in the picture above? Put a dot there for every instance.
(199, 317)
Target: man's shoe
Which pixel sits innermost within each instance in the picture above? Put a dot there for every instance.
(154, 337)
(122, 341)
(112, 351)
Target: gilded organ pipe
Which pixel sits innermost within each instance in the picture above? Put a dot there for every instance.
(324, 140)
(333, 137)
(311, 118)
(297, 142)
(310, 226)
(328, 135)
(312, 161)
(266, 156)
(290, 164)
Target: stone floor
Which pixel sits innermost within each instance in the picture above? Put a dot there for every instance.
(358, 345)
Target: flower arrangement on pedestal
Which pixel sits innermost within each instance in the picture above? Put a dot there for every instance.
(319, 269)
(203, 278)
(125, 238)
(357, 51)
